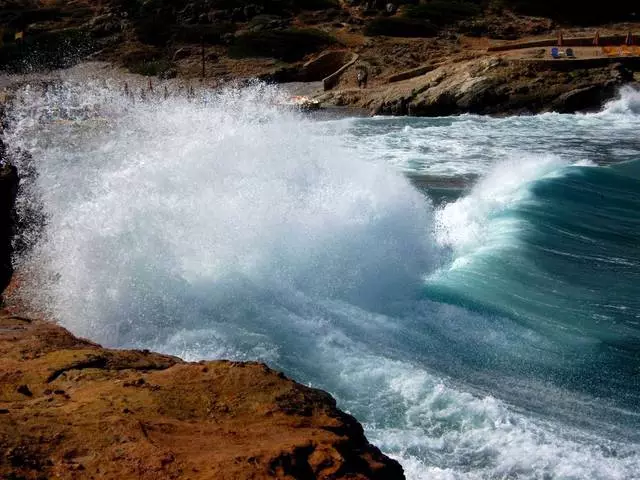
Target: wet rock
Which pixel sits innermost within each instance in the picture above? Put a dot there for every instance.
(582, 99)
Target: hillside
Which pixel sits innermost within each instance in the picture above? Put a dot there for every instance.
(246, 38)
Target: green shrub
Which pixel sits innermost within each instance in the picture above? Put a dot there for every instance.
(443, 12)
(154, 31)
(288, 45)
(400, 27)
(280, 6)
(147, 61)
(19, 19)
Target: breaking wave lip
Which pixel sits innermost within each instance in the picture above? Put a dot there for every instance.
(627, 103)
(465, 225)
(196, 229)
(539, 205)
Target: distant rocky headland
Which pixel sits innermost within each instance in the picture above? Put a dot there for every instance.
(427, 57)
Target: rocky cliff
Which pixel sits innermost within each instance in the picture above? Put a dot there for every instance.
(492, 85)
(261, 38)
(72, 409)
(237, 39)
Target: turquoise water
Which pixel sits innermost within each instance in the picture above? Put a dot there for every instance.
(570, 234)
(467, 287)
(562, 261)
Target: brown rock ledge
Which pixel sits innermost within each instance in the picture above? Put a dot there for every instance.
(74, 410)
(493, 86)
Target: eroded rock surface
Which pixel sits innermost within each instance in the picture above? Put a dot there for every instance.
(72, 409)
(493, 86)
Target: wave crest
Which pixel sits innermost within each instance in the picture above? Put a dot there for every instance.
(628, 102)
(152, 205)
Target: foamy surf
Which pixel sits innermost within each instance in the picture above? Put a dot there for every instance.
(222, 226)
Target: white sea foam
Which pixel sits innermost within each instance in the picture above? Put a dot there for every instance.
(470, 222)
(444, 433)
(229, 228)
(471, 144)
(628, 102)
(156, 202)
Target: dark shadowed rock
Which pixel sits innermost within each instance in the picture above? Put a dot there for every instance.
(492, 86)
(582, 99)
(8, 192)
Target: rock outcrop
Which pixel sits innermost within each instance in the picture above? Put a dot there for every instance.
(8, 192)
(494, 86)
(72, 409)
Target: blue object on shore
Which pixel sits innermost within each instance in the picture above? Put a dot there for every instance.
(569, 53)
(555, 53)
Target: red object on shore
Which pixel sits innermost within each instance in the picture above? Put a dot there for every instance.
(596, 39)
(560, 40)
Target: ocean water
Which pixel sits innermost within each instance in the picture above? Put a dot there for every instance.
(467, 287)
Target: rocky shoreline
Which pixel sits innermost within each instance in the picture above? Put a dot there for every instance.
(72, 409)
(493, 86)
(8, 192)
(458, 50)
